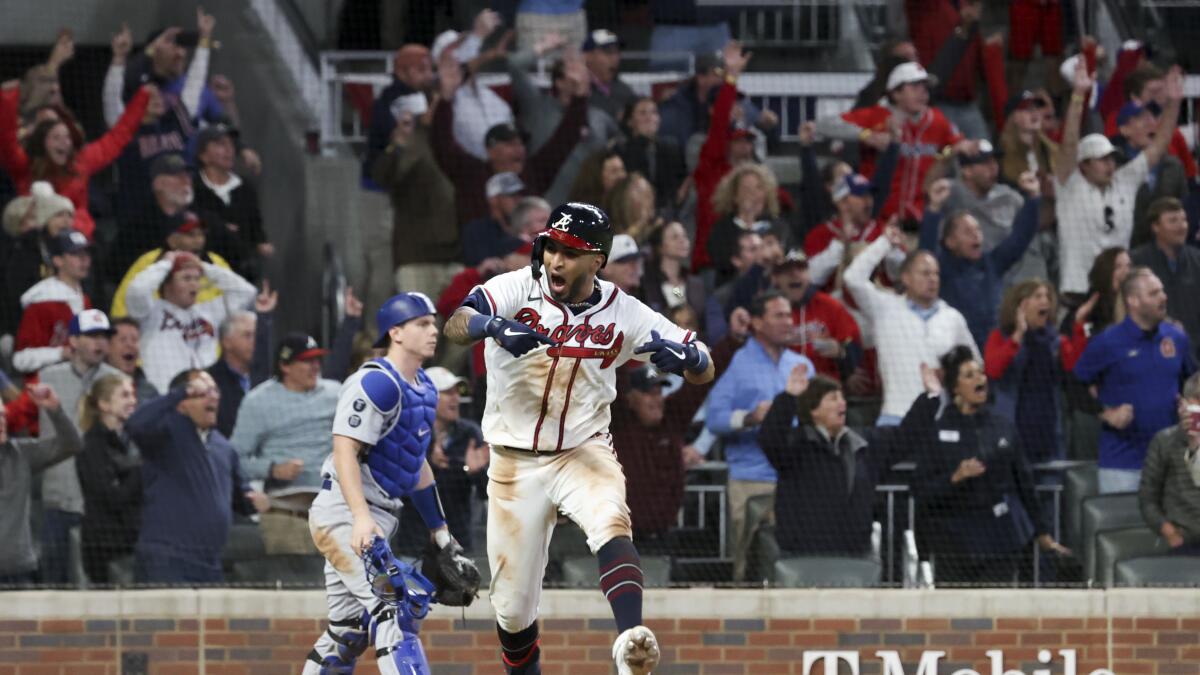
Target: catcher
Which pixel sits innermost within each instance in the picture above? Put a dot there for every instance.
(381, 432)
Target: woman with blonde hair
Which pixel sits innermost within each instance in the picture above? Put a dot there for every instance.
(110, 474)
(1027, 361)
(747, 198)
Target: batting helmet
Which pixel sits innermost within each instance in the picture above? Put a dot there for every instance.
(399, 309)
(575, 225)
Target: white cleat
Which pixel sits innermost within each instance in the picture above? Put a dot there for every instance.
(636, 651)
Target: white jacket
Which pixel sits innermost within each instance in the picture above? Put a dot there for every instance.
(176, 338)
(904, 341)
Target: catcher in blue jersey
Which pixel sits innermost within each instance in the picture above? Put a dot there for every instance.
(381, 432)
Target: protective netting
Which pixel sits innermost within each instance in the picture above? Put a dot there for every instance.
(943, 255)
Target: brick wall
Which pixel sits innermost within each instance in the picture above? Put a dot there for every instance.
(272, 644)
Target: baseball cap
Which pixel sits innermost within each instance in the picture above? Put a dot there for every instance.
(623, 248)
(647, 377)
(66, 242)
(1022, 101)
(502, 133)
(1130, 110)
(182, 222)
(213, 132)
(853, 184)
(794, 258)
(986, 152)
(905, 73)
(601, 38)
(168, 163)
(298, 347)
(1094, 146)
(505, 183)
(90, 322)
(443, 379)
(708, 62)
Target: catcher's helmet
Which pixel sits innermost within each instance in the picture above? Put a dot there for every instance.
(575, 225)
(399, 309)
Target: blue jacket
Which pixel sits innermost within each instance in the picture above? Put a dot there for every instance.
(752, 378)
(191, 487)
(1006, 390)
(1142, 368)
(973, 287)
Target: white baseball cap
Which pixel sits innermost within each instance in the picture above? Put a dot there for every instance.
(467, 50)
(1094, 146)
(444, 380)
(909, 71)
(623, 248)
(504, 183)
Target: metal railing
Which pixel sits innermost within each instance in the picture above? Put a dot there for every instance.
(795, 97)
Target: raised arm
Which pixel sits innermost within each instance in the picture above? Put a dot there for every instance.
(197, 72)
(139, 296)
(238, 292)
(858, 275)
(1166, 123)
(12, 156)
(114, 79)
(149, 425)
(102, 151)
(62, 443)
(1081, 89)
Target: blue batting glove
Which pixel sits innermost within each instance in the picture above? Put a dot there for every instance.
(516, 338)
(673, 357)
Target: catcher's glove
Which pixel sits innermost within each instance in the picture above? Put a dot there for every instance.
(454, 575)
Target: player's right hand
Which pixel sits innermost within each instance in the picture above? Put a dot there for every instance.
(516, 338)
(363, 533)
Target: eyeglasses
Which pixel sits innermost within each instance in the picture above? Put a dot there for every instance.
(1109, 215)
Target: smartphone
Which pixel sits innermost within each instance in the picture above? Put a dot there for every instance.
(416, 104)
(1193, 417)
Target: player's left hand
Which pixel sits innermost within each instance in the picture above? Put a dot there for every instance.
(671, 356)
(453, 574)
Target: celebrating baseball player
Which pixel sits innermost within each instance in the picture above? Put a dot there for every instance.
(558, 336)
(381, 432)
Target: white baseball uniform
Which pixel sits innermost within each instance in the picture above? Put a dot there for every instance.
(547, 420)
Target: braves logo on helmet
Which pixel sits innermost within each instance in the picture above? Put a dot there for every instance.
(563, 224)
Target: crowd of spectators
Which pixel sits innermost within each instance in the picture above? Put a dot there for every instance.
(976, 280)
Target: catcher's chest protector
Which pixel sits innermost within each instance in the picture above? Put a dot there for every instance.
(395, 461)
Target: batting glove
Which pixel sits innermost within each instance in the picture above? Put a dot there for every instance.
(674, 357)
(516, 338)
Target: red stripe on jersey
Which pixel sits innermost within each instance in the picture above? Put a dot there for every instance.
(491, 300)
(537, 431)
(562, 420)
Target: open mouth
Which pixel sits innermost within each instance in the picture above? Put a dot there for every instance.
(557, 283)
(981, 388)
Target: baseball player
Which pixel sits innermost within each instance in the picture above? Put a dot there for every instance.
(558, 335)
(381, 432)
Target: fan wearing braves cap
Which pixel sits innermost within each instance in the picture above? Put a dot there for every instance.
(1094, 200)
(555, 335)
(49, 304)
(924, 133)
(381, 433)
(62, 496)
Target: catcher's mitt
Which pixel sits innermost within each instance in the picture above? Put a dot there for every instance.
(454, 575)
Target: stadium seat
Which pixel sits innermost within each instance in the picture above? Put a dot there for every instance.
(1079, 483)
(1113, 546)
(764, 552)
(290, 570)
(245, 543)
(1158, 570)
(826, 572)
(581, 572)
(1104, 512)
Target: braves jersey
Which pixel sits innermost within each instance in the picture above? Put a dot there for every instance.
(360, 416)
(922, 142)
(555, 398)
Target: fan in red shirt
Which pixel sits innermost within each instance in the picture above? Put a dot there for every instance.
(50, 152)
(47, 307)
(925, 137)
(825, 331)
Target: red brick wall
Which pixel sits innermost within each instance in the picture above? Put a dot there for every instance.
(248, 646)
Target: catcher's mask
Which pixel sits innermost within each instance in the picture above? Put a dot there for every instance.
(396, 583)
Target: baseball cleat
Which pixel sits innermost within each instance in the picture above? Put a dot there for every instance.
(636, 651)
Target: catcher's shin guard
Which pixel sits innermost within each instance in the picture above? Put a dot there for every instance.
(339, 647)
(406, 657)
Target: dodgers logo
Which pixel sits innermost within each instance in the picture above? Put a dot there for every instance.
(359, 405)
(354, 421)
(1167, 348)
